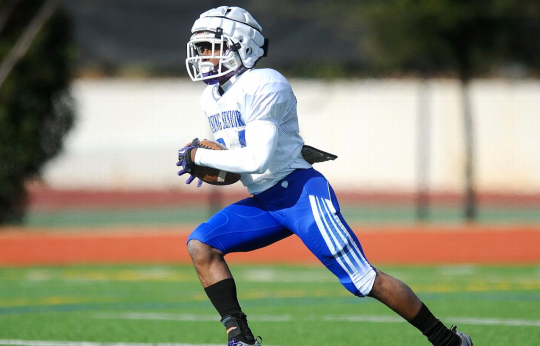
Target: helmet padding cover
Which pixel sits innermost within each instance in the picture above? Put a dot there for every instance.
(238, 25)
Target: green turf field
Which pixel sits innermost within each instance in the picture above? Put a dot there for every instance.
(288, 305)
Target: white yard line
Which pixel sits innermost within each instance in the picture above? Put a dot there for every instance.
(88, 343)
(339, 318)
(454, 320)
(184, 317)
(495, 322)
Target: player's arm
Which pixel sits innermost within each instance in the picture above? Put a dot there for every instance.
(261, 142)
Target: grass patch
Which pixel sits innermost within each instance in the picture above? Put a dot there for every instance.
(287, 305)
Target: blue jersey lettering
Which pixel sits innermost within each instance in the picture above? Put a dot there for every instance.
(215, 123)
(226, 120)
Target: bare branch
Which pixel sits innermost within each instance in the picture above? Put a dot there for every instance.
(24, 42)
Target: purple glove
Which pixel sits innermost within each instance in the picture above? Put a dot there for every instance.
(184, 160)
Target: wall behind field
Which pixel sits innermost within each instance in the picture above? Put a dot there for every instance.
(129, 131)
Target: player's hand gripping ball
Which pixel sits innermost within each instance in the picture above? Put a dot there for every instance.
(208, 175)
(184, 160)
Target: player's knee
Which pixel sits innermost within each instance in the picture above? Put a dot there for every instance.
(200, 251)
(382, 285)
(196, 248)
(363, 286)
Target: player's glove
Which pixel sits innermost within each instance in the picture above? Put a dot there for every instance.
(184, 160)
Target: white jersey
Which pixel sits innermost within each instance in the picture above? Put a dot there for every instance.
(256, 120)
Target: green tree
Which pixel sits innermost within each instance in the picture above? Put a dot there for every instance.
(466, 39)
(36, 108)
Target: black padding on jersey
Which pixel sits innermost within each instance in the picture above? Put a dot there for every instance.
(314, 155)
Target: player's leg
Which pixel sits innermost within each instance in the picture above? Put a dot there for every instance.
(324, 231)
(396, 295)
(401, 298)
(240, 227)
(307, 207)
(208, 262)
(220, 288)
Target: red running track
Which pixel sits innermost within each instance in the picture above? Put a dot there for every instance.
(382, 245)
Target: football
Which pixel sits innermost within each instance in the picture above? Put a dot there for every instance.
(211, 175)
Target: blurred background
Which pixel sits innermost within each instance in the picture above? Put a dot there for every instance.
(432, 107)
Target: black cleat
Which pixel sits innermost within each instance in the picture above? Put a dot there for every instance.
(465, 339)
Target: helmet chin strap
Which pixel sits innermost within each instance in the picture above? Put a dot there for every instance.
(213, 70)
(212, 81)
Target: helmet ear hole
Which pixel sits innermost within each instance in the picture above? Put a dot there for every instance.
(248, 51)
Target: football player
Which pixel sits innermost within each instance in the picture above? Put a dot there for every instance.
(253, 113)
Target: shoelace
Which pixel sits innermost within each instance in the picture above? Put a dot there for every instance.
(235, 342)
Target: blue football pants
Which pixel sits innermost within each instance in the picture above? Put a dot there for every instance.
(304, 204)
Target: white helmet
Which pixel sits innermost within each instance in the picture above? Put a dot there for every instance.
(234, 33)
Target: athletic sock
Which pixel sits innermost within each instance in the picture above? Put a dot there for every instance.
(433, 329)
(223, 296)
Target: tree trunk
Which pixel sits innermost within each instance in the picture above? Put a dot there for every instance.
(468, 130)
(423, 152)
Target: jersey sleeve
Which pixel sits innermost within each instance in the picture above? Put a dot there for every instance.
(261, 136)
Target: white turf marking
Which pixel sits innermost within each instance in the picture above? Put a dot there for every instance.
(496, 322)
(454, 320)
(287, 318)
(87, 343)
(185, 317)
